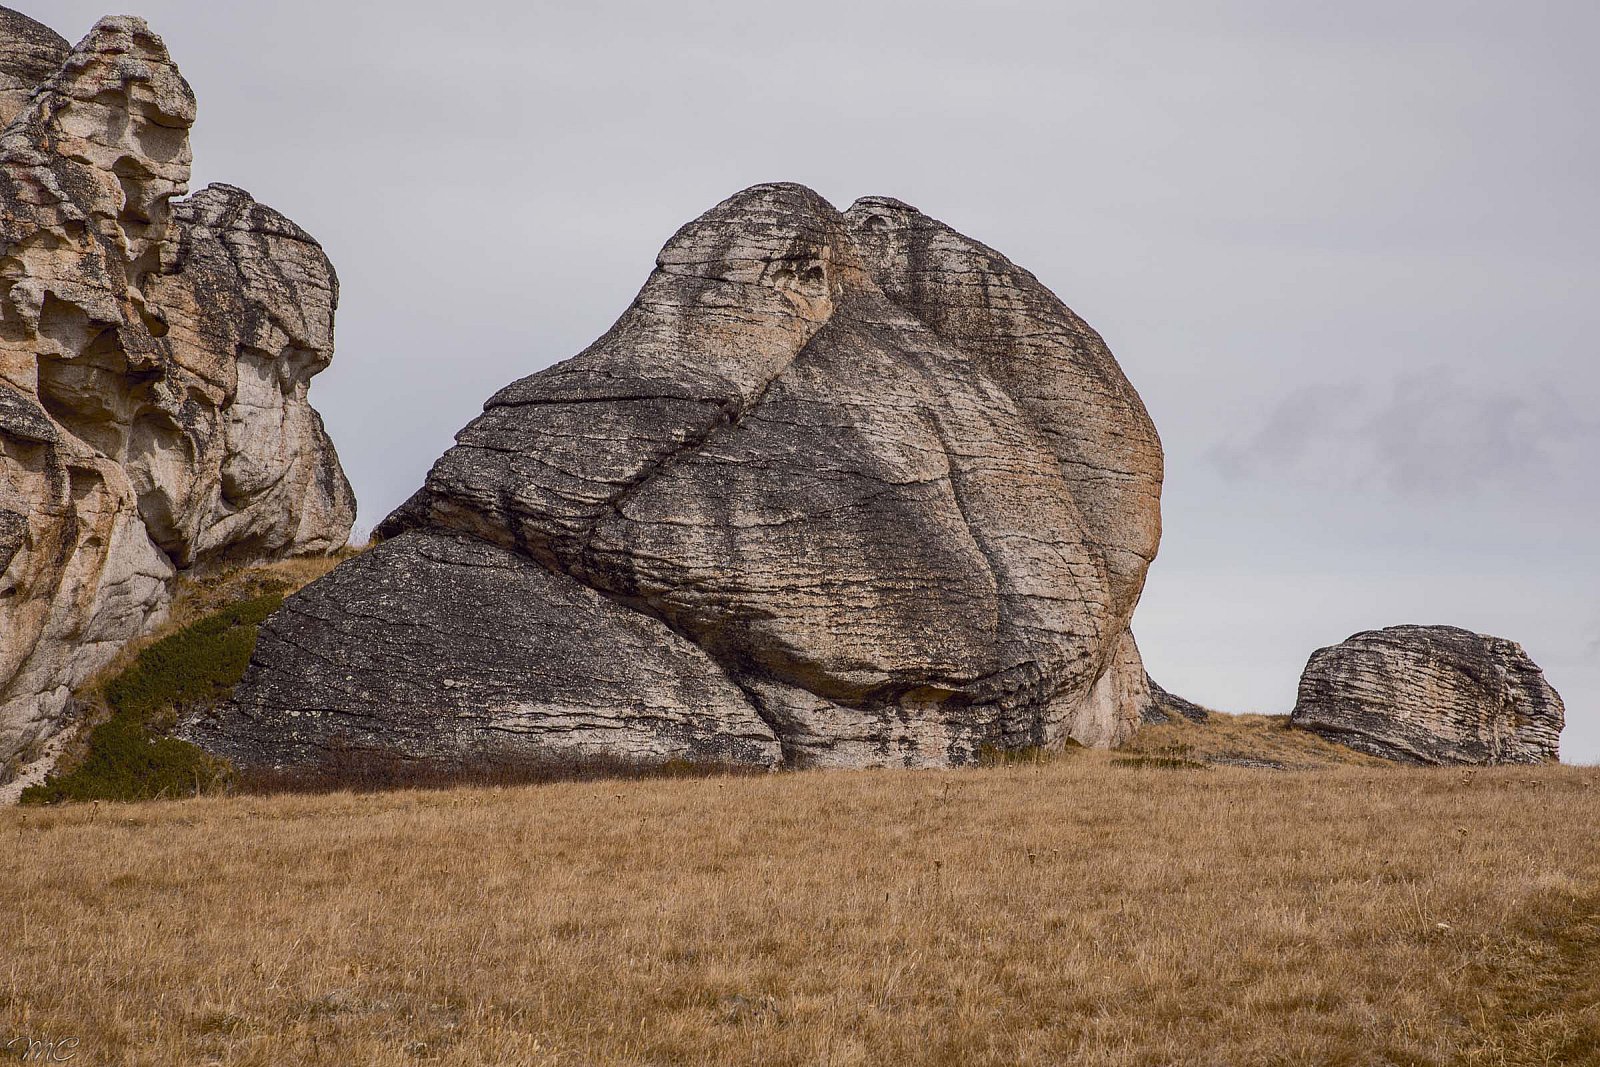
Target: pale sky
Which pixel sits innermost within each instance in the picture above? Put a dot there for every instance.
(1346, 252)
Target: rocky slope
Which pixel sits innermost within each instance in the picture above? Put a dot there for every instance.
(838, 489)
(1431, 694)
(155, 355)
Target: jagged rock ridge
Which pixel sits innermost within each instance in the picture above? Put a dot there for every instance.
(837, 489)
(1433, 695)
(155, 355)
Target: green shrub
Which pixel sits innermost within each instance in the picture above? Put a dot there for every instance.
(128, 757)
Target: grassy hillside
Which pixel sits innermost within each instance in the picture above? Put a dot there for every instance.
(1264, 742)
(1083, 911)
(1226, 892)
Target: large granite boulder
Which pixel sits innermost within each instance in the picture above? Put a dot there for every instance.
(1431, 694)
(155, 355)
(838, 489)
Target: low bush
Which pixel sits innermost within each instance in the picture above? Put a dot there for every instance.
(128, 755)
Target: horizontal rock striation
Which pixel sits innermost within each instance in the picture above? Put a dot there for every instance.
(878, 495)
(1432, 695)
(155, 355)
(448, 613)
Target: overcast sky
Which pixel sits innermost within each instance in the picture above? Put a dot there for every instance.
(1346, 252)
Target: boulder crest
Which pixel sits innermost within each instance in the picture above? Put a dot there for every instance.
(155, 355)
(837, 489)
(1431, 695)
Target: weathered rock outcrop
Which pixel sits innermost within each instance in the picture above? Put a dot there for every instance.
(1431, 694)
(837, 489)
(1164, 706)
(154, 361)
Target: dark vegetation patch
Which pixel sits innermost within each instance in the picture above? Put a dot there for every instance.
(1158, 763)
(364, 771)
(127, 755)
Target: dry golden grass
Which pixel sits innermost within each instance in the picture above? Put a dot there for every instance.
(1074, 912)
(1250, 740)
(205, 595)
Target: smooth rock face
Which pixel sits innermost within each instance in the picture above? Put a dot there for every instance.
(154, 361)
(474, 674)
(897, 495)
(1432, 694)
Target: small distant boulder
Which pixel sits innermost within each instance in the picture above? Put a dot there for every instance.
(1431, 695)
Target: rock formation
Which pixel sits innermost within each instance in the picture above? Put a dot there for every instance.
(1164, 706)
(1431, 694)
(154, 361)
(836, 490)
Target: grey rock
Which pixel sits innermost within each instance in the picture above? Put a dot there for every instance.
(895, 492)
(1164, 706)
(30, 52)
(1254, 763)
(433, 628)
(1431, 695)
(155, 355)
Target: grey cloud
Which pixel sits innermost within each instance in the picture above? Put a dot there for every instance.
(1425, 432)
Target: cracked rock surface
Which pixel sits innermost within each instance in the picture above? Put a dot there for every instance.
(1433, 695)
(837, 489)
(155, 356)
